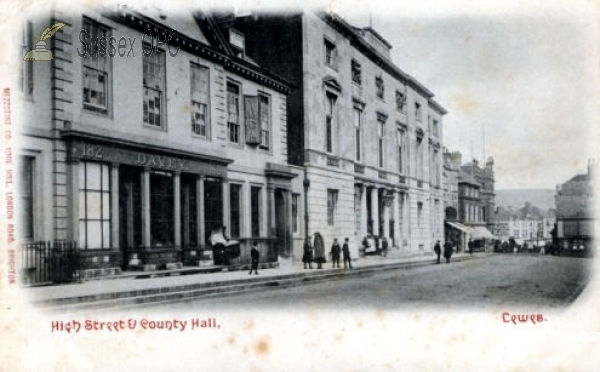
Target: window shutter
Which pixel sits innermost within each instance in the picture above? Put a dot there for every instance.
(251, 120)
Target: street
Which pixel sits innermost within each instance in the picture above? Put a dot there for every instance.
(494, 281)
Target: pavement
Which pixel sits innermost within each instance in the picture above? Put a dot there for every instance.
(135, 290)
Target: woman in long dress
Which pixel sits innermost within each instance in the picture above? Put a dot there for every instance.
(319, 246)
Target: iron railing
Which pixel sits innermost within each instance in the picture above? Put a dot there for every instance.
(48, 262)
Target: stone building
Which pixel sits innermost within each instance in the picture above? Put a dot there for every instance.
(369, 135)
(138, 153)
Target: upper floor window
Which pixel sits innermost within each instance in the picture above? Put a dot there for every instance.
(330, 54)
(400, 101)
(332, 197)
(356, 72)
(380, 135)
(199, 99)
(329, 121)
(264, 113)
(26, 197)
(27, 66)
(357, 133)
(233, 113)
(436, 128)
(96, 69)
(154, 88)
(379, 86)
(418, 111)
(400, 150)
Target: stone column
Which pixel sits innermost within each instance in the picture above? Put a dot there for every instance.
(397, 218)
(146, 233)
(177, 208)
(363, 212)
(271, 203)
(225, 187)
(200, 210)
(114, 205)
(375, 210)
(386, 217)
(73, 192)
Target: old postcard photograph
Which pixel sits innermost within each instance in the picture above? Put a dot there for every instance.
(274, 186)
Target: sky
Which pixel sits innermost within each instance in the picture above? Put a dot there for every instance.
(524, 78)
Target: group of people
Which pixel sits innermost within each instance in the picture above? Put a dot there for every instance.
(316, 253)
(447, 251)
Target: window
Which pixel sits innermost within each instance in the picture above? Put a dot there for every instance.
(255, 210)
(26, 188)
(435, 128)
(419, 213)
(154, 87)
(329, 122)
(213, 206)
(357, 133)
(356, 72)
(27, 66)
(418, 112)
(330, 54)
(265, 121)
(295, 225)
(380, 134)
(96, 69)
(94, 205)
(331, 206)
(420, 158)
(233, 113)
(400, 150)
(162, 209)
(200, 97)
(400, 101)
(234, 210)
(380, 87)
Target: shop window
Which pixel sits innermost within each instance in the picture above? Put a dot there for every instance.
(235, 200)
(233, 113)
(356, 72)
(154, 87)
(200, 99)
(161, 209)
(26, 197)
(96, 69)
(213, 206)
(94, 205)
(255, 210)
(332, 197)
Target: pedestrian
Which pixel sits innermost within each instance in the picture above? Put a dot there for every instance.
(447, 251)
(438, 251)
(335, 254)
(255, 255)
(384, 247)
(346, 253)
(307, 257)
(470, 244)
(319, 250)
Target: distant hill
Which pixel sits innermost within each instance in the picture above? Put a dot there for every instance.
(541, 198)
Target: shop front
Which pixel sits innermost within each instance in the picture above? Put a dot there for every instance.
(135, 207)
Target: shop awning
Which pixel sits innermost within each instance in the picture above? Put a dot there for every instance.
(480, 232)
(460, 227)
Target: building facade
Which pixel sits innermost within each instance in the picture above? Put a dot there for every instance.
(575, 212)
(138, 153)
(368, 134)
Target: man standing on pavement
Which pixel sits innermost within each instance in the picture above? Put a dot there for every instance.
(255, 255)
(438, 250)
(447, 251)
(346, 253)
(335, 254)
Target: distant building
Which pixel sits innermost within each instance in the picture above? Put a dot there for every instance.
(574, 211)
